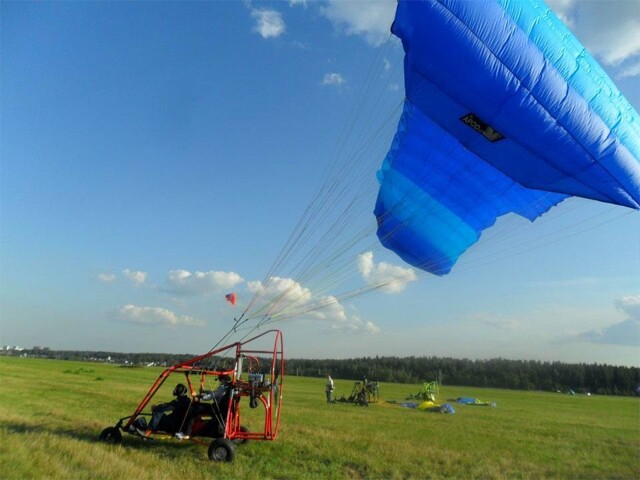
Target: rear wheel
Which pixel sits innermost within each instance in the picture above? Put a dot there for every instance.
(222, 450)
(240, 441)
(111, 435)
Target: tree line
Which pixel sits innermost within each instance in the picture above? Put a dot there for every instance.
(601, 379)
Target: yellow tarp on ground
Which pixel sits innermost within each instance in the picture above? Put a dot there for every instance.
(427, 404)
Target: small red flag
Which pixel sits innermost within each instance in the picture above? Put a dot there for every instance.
(231, 298)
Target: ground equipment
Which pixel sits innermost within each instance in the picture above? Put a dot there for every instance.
(363, 393)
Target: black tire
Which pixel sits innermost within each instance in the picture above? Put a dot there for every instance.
(111, 435)
(222, 450)
(241, 441)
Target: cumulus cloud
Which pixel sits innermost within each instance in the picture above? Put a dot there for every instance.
(626, 332)
(152, 316)
(333, 79)
(630, 305)
(269, 23)
(138, 277)
(280, 293)
(370, 19)
(390, 278)
(106, 277)
(286, 298)
(356, 325)
(293, 3)
(609, 29)
(183, 282)
(329, 308)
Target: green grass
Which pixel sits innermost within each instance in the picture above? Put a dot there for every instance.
(51, 413)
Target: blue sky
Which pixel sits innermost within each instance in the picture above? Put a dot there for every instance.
(156, 156)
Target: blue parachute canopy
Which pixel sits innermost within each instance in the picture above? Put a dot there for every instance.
(505, 111)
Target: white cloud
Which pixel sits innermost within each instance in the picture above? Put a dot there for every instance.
(390, 278)
(293, 3)
(183, 282)
(562, 8)
(356, 325)
(333, 79)
(609, 29)
(269, 23)
(330, 309)
(138, 277)
(630, 70)
(106, 277)
(626, 332)
(286, 298)
(610, 34)
(630, 305)
(369, 19)
(153, 316)
(281, 294)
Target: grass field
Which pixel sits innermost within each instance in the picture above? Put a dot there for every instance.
(51, 413)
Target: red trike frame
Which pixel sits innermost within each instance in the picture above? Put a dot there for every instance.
(266, 387)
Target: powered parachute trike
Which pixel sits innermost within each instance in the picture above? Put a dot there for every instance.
(504, 112)
(249, 371)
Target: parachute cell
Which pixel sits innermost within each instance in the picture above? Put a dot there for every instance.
(505, 112)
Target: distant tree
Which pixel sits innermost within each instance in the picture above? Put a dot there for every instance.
(496, 373)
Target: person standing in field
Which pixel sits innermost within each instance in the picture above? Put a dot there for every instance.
(329, 389)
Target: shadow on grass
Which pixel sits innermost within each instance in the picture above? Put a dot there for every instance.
(167, 447)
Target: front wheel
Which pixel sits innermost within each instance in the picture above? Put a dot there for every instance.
(111, 435)
(222, 450)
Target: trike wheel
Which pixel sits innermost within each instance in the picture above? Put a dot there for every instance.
(241, 441)
(111, 435)
(222, 450)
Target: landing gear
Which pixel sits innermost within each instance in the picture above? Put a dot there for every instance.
(222, 450)
(111, 435)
